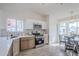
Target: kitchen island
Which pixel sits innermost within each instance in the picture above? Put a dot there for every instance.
(12, 46)
(5, 45)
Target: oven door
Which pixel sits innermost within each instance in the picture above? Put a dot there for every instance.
(39, 41)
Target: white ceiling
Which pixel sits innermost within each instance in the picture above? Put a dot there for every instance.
(57, 9)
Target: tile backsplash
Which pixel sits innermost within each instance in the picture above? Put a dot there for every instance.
(4, 33)
(29, 31)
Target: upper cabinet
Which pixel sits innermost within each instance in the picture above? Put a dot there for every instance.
(44, 25)
(28, 24)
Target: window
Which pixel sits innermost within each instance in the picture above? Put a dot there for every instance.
(77, 27)
(14, 25)
(78, 24)
(11, 25)
(72, 27)
(62, 28)
(68, 28)
(62, 31)
(19, 26)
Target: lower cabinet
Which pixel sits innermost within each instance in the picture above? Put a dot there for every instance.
(21, 44)
(31, 43)
(10, 53)
(27, 43)
(24, 43)
(16, 47)
(46, 39)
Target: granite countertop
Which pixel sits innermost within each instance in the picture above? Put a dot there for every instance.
(5, 44)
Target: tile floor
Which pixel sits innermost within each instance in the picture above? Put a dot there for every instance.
(42, 51)
(46, 51)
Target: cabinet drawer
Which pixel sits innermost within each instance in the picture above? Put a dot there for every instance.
(27, 38)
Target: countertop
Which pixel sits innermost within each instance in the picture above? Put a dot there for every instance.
(22, 37)
(5, 44)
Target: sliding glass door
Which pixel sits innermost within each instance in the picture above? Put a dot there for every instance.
(78, 28)
(68, 28)
(62, 31)
(72, 28)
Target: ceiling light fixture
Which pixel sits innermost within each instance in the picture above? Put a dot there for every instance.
(61, 4)
(72, 15)
(44, 4)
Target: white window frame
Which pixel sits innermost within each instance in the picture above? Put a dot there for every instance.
(15, 26)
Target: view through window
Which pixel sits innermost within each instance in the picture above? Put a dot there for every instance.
(14, 25)
(68, 28)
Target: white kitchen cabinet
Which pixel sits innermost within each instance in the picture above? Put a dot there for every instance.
(28, 24)
(44, 25)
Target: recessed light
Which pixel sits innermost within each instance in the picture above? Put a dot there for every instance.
(61, 3)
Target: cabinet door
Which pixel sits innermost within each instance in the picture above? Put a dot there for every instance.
(24, 44)
(16, 47)
(45, 38)
(10, 53)
(31, 43)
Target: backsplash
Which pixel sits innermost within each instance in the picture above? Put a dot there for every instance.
(29, 31)
(4, 33)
